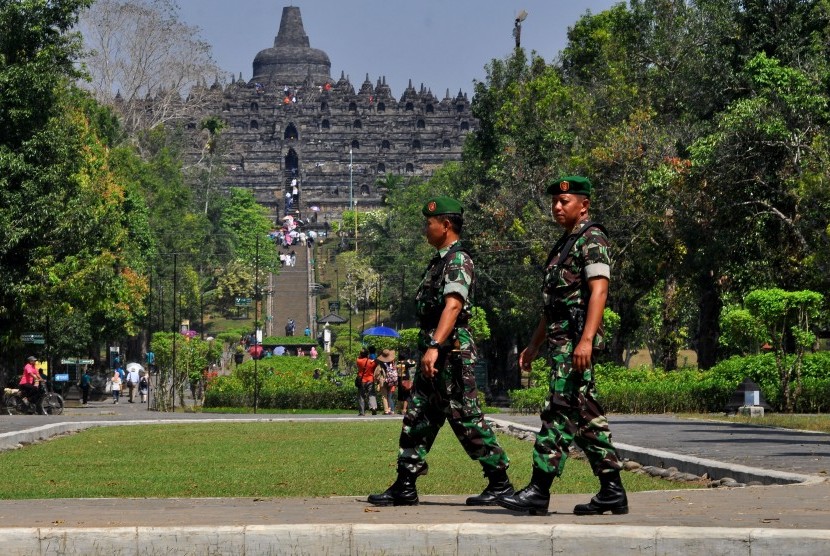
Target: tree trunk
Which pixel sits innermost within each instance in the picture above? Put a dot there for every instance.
(626, 309)
(669, 341)
(708, 323)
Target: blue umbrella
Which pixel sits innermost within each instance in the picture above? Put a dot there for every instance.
(380, 331)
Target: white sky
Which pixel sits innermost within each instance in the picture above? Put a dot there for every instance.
(440, 43)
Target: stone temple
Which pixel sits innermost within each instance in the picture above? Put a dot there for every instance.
(292, 121)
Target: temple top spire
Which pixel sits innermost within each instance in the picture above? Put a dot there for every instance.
(291, 60)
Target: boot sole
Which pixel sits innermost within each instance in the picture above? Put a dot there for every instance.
(522, 509)
(494, 501)
(614, 511)
(387, 504)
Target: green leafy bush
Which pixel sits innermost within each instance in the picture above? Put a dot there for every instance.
(284, 383)
(648, 390)
(273, 341)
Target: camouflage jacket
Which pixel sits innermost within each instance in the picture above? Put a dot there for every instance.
(457, 276)
(565, 291)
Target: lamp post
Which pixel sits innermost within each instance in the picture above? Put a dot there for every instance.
(351, 195)
(175, 332)
(517, 28)
(256, 325)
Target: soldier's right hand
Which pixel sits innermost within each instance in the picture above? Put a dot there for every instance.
(527, 356)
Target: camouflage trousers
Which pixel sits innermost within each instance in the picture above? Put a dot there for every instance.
(450, 396)
(572, 414)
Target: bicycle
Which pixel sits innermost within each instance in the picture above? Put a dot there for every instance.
(14, 403)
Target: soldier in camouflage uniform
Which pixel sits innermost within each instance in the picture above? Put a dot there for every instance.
(574, 291)
(445, 387)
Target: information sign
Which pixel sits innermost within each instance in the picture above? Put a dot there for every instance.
(32, 338)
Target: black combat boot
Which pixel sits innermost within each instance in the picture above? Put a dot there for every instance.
(499, 485)
(402, 492)
(533, 498)
(611, 497)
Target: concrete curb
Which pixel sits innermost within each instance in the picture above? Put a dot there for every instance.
(15, 439)
(692, 464)
(455, 539)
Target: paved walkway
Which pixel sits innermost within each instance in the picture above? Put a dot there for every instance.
(792, 519)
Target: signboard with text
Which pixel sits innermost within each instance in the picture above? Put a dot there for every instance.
(73, 361)
(33, 338)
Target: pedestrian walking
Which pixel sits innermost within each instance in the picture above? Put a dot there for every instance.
(445, 388)
(132, 381)
(116, 382)
(143, 386)
(85, 384)
(365, 383)
(574, 291)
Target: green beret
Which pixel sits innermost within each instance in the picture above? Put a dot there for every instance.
(570, 184)
(442, 205)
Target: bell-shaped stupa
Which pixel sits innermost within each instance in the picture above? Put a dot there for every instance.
(291, 61)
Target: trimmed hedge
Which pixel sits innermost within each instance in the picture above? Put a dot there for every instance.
(284, 383)
(646, 390)
(274, 341)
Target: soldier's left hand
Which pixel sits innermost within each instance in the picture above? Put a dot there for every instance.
(428, 363)
(581, 359)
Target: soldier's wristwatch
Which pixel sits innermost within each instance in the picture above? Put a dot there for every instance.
(433, 343)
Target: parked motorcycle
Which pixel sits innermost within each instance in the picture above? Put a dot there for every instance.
(14, 403)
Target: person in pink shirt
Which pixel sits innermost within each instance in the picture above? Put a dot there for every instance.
(30, 381)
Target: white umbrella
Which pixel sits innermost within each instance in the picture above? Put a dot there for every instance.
(134, 367)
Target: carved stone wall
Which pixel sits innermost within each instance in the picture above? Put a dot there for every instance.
(318, 127)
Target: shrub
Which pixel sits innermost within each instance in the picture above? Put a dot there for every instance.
(284, 383)
(273, 341)
(647, 390)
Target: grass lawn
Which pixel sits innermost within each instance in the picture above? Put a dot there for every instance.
(259, 460)
(816, 422)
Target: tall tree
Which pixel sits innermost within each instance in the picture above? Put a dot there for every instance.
(141, 51)
(71, 236)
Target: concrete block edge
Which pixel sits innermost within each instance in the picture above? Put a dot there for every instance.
(459, 538)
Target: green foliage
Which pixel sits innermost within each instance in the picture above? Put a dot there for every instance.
(409, 337)
(787, 316)
(611, 324)
(73, 237)
(181, 362)
(274, 341)
(741, 333)
(37, 56)
(282, 382)
(652, 390)
(244, 221)
(478, 325)
(540, 372)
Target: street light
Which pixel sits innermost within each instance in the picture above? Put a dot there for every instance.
(351, 159)
(517, 28)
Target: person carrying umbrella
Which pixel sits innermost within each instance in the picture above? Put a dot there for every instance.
(133, 370)
(445, 387)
